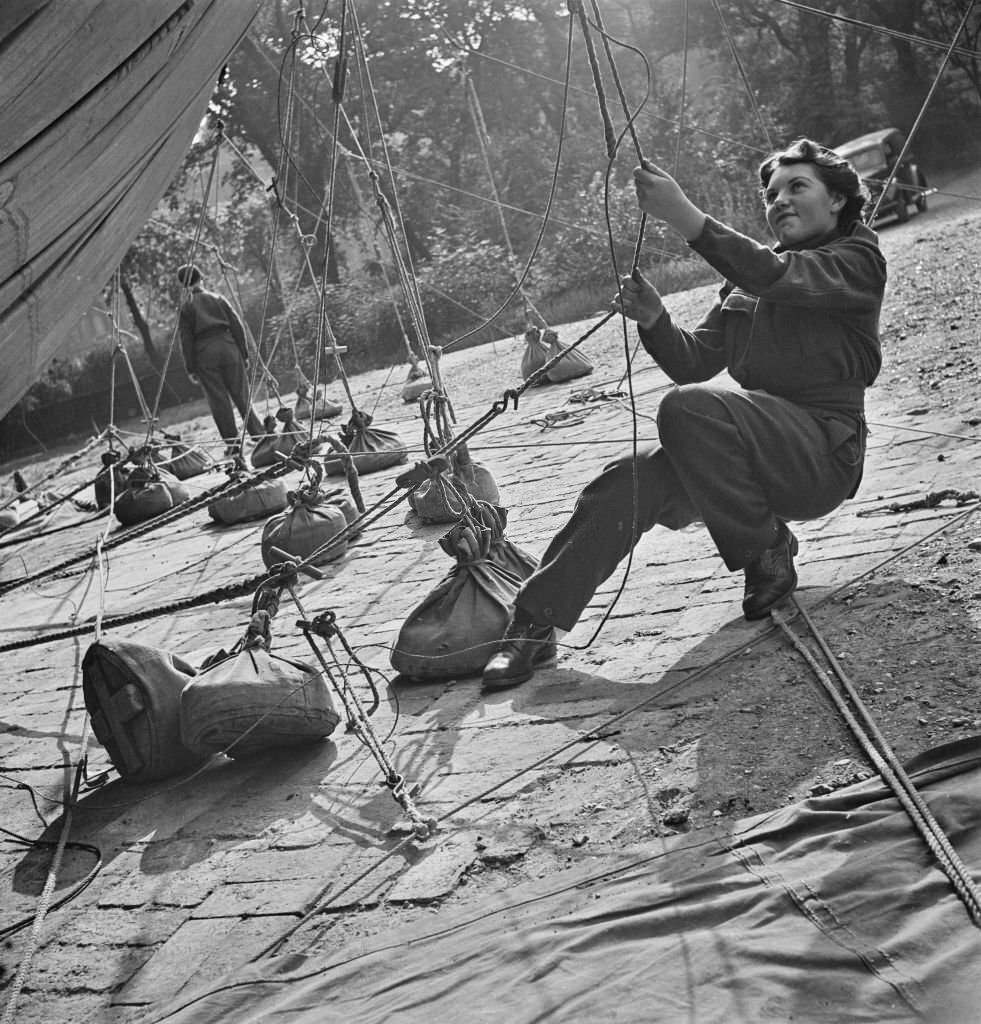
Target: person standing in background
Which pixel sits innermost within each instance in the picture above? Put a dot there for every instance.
(216, 356)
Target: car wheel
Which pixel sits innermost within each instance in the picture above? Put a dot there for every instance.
(921, 199)
(902, 211)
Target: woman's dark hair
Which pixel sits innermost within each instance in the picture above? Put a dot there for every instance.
(188, 275)
(835, 171)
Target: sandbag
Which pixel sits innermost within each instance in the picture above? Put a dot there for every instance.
(252, 700)
(312, 521)
(322, 408)
(257, 501)
(344, 501)
(272, 445)
(104, 484)
(417, 382)
(442, 498)
(573, 364)
(185, 461)
(371, 448)
(502, 551)
(413, 390)
(454, 631)
(149, 491)
(535, 354)
(20, 512)
(132, 694)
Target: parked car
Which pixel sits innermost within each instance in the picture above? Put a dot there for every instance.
(873, 156)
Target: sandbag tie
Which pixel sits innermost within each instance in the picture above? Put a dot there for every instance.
(423, 471)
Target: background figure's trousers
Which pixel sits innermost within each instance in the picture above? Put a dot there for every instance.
(738, 461)
(222, 373)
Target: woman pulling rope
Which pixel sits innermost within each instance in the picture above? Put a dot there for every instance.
(797, 327)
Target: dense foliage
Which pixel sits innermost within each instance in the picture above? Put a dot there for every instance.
(455, 133)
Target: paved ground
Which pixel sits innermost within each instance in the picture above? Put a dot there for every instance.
(202, 873)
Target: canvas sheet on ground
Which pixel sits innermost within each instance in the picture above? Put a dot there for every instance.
(827, 911)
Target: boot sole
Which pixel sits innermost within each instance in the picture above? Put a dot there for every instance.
(506, 682)
(761, 613)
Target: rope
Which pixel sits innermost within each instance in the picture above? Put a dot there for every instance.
(920, 113)
(879, 752)
(41, 512)
(390, 213)
(883, 29)
(763, 630)
(325, 626)
(483, 137)
(931, 500)
(324, 331)
(59, 469)
(47, 893)
(743, 75)
(215, 596)
(120, 349)
(545, 216)
(228, 488)
(52, 530)
(185, 291)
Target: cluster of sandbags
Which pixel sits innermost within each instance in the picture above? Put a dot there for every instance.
(158, 716)
(541, 346)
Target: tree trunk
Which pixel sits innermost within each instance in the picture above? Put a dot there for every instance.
(139, 320)
(816, 86)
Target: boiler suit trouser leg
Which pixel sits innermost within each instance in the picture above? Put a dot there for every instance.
(222, 373)
(739, 461)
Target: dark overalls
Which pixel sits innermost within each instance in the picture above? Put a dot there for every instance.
(214, 349)
(798, 330)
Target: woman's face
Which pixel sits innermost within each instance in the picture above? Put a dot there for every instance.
(799, 208)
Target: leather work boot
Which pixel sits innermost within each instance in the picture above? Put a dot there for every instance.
(525, 647)
(771, 577)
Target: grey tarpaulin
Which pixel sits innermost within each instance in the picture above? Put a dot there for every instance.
(830, 910)
(99, 101)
